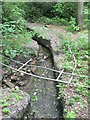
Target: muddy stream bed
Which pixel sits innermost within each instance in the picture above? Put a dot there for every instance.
(46, 104)
(43, 93)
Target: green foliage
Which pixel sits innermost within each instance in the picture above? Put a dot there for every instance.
(81, 90)
(65, 10)
(65, 110)
(13, 103)
(15, 93)
(34, 98)
(32, 11)
(76, 46)
(1, 101)
(47, 9)
(8, 98)
(8, 27)
(86, 16)
(71, 101)
(79, 48)
(13, 47)
(70, 115)
(54, 20)
(77, 98)
(12, 12)
(83, 42)
(56, 13)
(50, 12)
(27, 52)
(5, 104)
(13, 29)
(68, 66)
(6, 110)
(35, 10)
(72, 25)
(18, 97)
(60, 87)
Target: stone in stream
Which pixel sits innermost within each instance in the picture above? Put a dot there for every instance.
(22, 83)
(33, 62)
(22, 74)
(48, 26)
(25, 68)
(28, 70)
(9, 84)
(33, 69)
(45, 57)
(14, 78)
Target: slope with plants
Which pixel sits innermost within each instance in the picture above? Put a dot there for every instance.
(75, 62)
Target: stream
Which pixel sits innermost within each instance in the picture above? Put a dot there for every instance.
(43, 92)
(44, 103)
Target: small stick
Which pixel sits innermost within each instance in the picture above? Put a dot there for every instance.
(24, 64)
(74, 66)
(60, 74)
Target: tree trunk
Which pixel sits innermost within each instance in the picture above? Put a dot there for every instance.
(80, 18)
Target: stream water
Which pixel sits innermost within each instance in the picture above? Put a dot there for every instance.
(43, 93)
(44, 103)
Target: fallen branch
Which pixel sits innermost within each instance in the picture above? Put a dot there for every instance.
(48, 68)
(44, 78)
(40, 77)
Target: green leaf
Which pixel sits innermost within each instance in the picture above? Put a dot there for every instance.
(5, 104)
(71, 115)
(6, 110)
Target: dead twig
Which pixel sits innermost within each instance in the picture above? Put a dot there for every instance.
(75, 62)
(24, 64)
(60, 74)
(67, 73)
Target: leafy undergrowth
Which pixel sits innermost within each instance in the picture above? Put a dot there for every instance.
(71, 25)
(75, 93)
(14, 39)
(13, 47)
(54, 21)
(10, 98)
